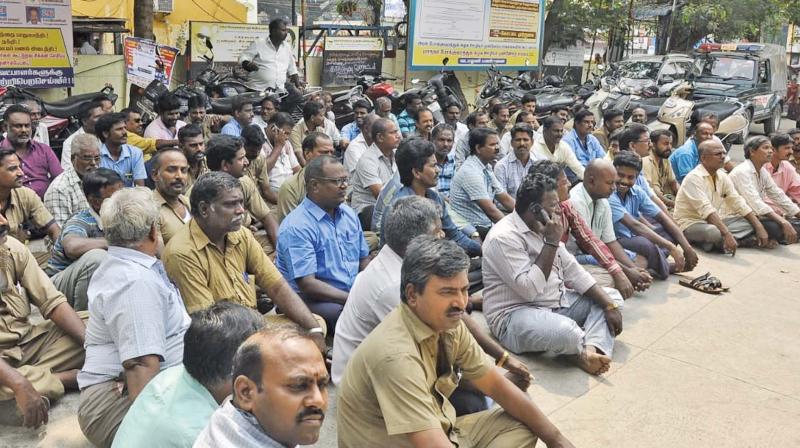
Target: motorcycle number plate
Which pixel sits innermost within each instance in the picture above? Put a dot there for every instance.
(434, 107)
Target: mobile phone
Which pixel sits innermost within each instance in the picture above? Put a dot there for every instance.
(540, 214)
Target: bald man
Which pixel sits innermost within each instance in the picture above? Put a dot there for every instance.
(685, 158)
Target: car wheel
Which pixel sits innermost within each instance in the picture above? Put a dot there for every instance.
(774, 122)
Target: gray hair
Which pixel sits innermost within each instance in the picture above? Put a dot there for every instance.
(753, 143)
(382, 100)
(409, 218)
(81, 142)
(128, 216)
(426, 257)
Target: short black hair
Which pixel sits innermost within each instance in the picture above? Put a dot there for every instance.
(212, 339)
(106, 122)
(94, 181)
(631, 133)
(197, 101)
(314, 169)
(168, 101)
(521, 127)
(550, 120)
(442, 127)
(658, 133)
(209, 186)
(282, 119)
(238, 102)
(6, 152)
(189, 131)
(380, 126)
(15, 109)
(155, 162)
(611, 114)
(472, 118)
(793, 131)
(549, 168)
(478, 136)
(312, 108)
(419, 111)
(497, 108)
(412, 154)
(531, 190)
(628, 159)
(528, 98)
(310, 142)
(780, 139)
(128, 111)
(521, 116)
(614, 136)
(272, 99)
(362, 104)
(410, 97)
(86, 111)
(582, 115)
(221, 148)
(452, 103)
(275, 23)
(252, 135)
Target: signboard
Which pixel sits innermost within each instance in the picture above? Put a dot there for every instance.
(345, 57)
(571, 56)
(36, 43)
(146, 61)
(475, 34)
(228, 40)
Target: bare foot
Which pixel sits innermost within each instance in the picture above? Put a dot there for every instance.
(593, 362)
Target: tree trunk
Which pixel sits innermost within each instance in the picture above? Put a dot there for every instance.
(551, 22)
(143, 19)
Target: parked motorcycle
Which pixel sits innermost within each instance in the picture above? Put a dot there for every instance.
(549, 92)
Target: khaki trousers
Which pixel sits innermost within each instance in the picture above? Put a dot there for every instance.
(493, 429)
(101, 410)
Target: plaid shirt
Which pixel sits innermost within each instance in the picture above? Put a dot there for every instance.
(65, 196)
(446, 172)
(573, 223)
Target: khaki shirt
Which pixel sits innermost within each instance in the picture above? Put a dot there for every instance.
(700, 196)
(602, 136)
(257, 171)
(15, 307)
(24, 211)
(291, 194)
(203, 169)
(256, 205)
(205, 275)
(391, 386)
(659, 175)
(169, 221)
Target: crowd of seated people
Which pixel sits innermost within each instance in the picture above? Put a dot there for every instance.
(210, 309)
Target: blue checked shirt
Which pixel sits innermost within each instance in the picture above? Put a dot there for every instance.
(473, 182)
(446, 172)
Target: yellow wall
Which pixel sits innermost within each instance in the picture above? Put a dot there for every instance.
(170, 29)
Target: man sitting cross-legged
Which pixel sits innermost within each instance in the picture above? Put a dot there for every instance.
(64, 196)
(396, 388)
(171, 175)
(537, 297)
(177, 404)
(81, 247)
(293, 191)
(781, 169)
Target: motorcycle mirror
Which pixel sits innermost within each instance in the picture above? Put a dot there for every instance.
(415, 81)
(601, 67)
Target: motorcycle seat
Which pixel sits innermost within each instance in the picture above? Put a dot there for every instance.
(547, 101)
(650, 105)
(721, 109)
(68, 107)
(225, 105)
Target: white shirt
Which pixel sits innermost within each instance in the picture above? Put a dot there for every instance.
(354, 152)
(87, 48)
(757, 187)
(375, 293)
(284, 166)
(563, 155)
(461, 131)
(274, 64)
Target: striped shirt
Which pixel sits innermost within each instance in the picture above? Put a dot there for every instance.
(84, 224)
(65, 196)
(474, 181)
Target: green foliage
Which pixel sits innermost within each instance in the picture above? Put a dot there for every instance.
(735, 19)
(571, 21)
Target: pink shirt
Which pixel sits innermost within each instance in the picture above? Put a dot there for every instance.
(40, 166)
(787, 179)
(158, 131)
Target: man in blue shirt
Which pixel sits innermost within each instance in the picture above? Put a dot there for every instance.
(418, 173)
(585, 145)
(177, 404)
(686, 158)
(628, 204)
(443, 138)
(321, 246)
(242, 116)
(116, 154)
(406, 118)
(353, 129)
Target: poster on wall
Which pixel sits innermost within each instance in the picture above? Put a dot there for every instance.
(475, 34)
(36, 43)
(146, 61)
(346, 57)
(228, 41)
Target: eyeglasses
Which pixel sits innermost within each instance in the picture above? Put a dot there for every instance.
(88, 159)
(339, 181)
(643, 141)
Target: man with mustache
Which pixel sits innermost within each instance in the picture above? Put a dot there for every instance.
(116, 154)
(396, 388)
(88, 116)
(149, 146)
(170, 174)
(657, 169)
(191, 142)
(64, 196)
(423, 120)
(361, 109)
(553, 147)
(168, 123)
(280, 394)
(293, 191)
(39, 163)
(37, 362)
(461, 149)
(514, 166)
(253, 139)
(176, 405)
(321, 246)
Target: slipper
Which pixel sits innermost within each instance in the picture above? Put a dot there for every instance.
(705, 283)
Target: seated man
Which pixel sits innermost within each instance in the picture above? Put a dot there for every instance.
(88, 116)
(657, 169)
(687, 157)
(116, 154)
(293, 191)
(350, 131)
(242, 109)
(170, 172)
(81, 247)
(374, 169)
(443, 137)
(263, 412)
(512, 168)
(423, 123)
(168, 123)
(359, 145)
(553, 147)
(781, 169)
(635, 139)
(215, 258)
(282, 160)
(590, 199)
(64, 196)
(522, 117)
(417, 176)
(39, 162)
(257, 168)
(37, 361)
(149, 146)
(396, 387)
(461, 149)
(383, 109)
(710, 211)
(226, 154)
(475, 187)
(639, 115)
(321, 247)
(607, 271)
(204, 121)
(452, 117)
(313, 120)
(613, 119)
(500, 116)
(537, 295)
(269, 107)
(629, 203)
(136, 317)
(778, 214)
(190, 141)
(406, 118)
(177, 404)
(585, 145)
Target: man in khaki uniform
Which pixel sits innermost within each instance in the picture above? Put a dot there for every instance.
(35, 360)
(293, 190)
(257, 169)
(395, 390)
(191, 142)
(216, 258)
(170, 172)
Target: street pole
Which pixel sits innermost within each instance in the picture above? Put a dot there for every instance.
(671, 22)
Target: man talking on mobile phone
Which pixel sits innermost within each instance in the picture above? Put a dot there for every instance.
(537, 298)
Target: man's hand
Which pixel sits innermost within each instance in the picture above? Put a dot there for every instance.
(518, 373)
(729, 243)
(623, 285)
(31, 405)
(677, 255)
(640, 278)
(319, 339)
(762, 236)
(614, 321)
(250, 66)
(562, 442)
(691, 258)
(553, 230)
(669, 203)
(789, 234)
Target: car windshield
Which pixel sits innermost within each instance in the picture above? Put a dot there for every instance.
(639, 69)
(729, 68)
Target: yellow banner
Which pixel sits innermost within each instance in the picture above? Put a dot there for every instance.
(32, 48)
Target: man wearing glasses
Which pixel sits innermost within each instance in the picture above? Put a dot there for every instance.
(321, 246)
(64, 196)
